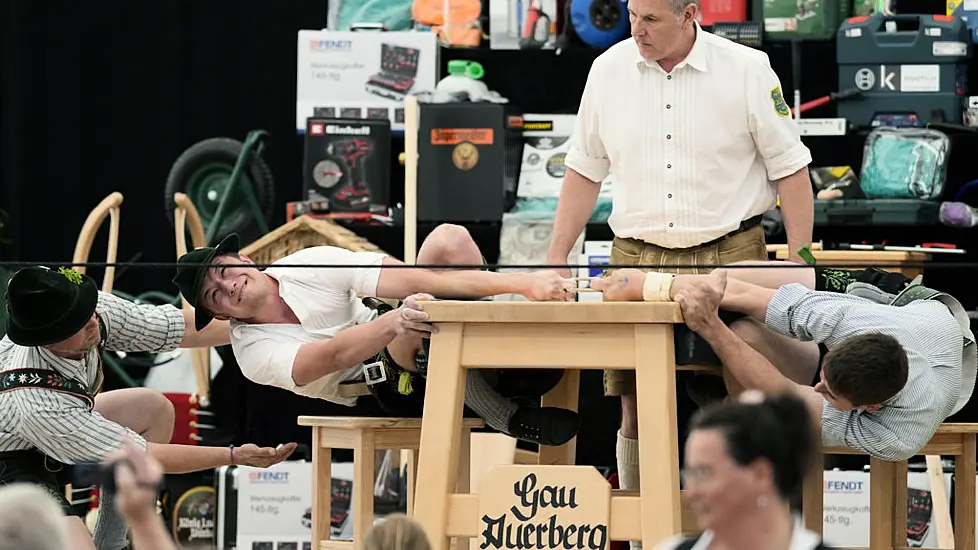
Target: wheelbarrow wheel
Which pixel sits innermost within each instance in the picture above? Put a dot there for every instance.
(203, 173)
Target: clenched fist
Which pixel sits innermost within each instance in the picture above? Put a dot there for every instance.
(547, 286)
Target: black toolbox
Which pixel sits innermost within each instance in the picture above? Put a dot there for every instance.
(877, 212)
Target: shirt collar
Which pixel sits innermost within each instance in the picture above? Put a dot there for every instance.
(696, 58)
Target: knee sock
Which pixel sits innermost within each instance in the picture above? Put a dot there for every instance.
(111, 528)
(495, 409)
(628, 473)
(833, 280)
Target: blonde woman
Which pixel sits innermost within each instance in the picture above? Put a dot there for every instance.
(397, 532)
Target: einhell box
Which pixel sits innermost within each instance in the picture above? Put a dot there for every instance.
(347, 164)
(468, 158)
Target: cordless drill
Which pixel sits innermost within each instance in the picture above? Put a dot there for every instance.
(356, 192)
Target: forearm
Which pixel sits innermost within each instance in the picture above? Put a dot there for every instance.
(453, 285)
(578, 195)
(797, 210)
(751, 369)
(216, 333)
(348, 348)
(181, 459)
(738, 296)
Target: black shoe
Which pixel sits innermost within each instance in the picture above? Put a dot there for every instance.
(544, 425)
(706, 389)
(531, 383)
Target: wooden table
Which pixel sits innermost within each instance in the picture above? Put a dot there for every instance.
(563, 335)
(884, 259)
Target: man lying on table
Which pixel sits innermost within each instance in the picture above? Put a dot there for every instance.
(306, 331)
(881, 371)
(54, 415)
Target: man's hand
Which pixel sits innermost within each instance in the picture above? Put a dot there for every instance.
(261, 457)
(623, 285)
(548, 285)
(410, 319)
(700, 301)
(137, 480)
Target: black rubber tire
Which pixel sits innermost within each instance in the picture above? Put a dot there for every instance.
(222, 151)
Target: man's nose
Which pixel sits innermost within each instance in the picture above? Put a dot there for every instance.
(637, 29)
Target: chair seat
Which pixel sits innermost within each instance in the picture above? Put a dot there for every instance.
(377, 423)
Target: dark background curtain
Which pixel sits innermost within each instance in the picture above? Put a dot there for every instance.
(103, 97)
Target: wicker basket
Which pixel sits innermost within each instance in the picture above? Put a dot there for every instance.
(304, 232)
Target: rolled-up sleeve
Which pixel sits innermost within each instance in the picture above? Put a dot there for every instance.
(61, 426)
(774, 130)
(132, 327)
(870, 435)
(586, 154)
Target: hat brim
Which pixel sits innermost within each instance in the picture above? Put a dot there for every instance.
(230, 244)
(74, 321)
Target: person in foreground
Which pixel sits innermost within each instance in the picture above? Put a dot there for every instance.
(881, 372)
(745, 461)
(54, 413)
(306, 331)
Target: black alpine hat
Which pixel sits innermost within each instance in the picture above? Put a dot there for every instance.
(190, 275)
(46, 306)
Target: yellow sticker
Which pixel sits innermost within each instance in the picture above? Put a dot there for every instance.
(780, 106)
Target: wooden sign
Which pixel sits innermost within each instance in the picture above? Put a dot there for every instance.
(530, 506)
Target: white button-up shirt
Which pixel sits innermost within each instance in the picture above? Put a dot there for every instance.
(693, 152)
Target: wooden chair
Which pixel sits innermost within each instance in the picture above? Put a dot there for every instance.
(109, 207)
(186, 218)
(364, 436)
(888, 491)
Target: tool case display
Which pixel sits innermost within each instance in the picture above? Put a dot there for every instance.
(800, 19)
(862, 212)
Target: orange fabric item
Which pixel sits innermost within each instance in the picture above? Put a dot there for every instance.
(463, 20)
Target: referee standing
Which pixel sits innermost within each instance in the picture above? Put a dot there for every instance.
(701, 143)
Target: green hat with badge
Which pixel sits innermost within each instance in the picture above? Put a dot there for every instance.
(190, 274)
(45, 306)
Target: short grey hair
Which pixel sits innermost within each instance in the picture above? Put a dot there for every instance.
(679, 5)
(31, 519)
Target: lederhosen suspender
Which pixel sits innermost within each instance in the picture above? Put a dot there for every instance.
(45, 379)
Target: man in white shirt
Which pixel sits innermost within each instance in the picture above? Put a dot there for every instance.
(701, 143)
(304, 329)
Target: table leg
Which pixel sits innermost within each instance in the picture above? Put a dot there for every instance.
(964, 495)
(412, 479)
(566, 396)
(658, 433)
(881, 489)
(441, 425)
(813, 494)
(363, 485)
(322, 487)
(900, 503)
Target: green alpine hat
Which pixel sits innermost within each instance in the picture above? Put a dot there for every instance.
(46, 306)
(190, 276)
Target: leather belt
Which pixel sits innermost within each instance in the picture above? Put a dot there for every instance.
(746, 225)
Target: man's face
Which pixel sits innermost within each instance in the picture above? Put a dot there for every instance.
(78, 345)
(233, 290)
(835, 400)
(656, 28)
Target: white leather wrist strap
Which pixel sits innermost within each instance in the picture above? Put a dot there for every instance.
(657, 286)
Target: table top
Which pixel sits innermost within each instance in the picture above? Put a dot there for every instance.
(346, 422)
(864, 255)
(634, 313)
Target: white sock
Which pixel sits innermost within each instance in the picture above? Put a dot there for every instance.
(628, 474)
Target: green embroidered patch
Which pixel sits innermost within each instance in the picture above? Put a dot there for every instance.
(44, 379)
(780, 106)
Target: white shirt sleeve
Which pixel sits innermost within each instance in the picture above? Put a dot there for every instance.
(266, 360)
(587, 155)
(774, 130)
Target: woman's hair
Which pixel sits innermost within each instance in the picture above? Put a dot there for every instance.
(396, 532)
(30, 519)
(778, 429)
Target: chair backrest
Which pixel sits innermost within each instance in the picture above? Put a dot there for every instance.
(109, 207)
(186, 217)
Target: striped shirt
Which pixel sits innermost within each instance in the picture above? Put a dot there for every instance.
(61, 425)
(934, 344)
(692, 152)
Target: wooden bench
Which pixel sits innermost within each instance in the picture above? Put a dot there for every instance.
(364, 436)
(888, 490)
